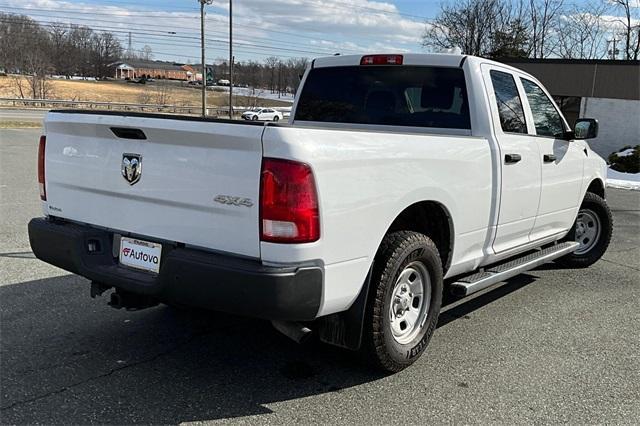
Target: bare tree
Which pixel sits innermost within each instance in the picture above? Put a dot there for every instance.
(163, 93)
(59, 50)
(294, 68)
(19, 35)
(146, 53)
(581, 33)
(33, 83)
(542, 15)
(480, 27)
(630, 23)
(468, 24)
(271, 64)
(26, 50)
(35, 51)
(105, 51)
(80, 47)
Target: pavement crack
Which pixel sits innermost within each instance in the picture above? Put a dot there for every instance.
(101, 376)
(621, 264)
(622, 250)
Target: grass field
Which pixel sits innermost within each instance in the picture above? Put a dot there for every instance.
(158, 92)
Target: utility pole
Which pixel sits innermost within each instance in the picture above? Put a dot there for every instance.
(202, 57)
(231, 59)
(279, 79)
(614, 51)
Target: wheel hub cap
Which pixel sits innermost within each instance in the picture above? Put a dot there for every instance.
(588, 229)
(410, 302)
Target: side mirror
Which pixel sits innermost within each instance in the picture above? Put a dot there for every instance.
(586, 128)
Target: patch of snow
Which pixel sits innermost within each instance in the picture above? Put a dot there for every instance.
(258, 93)
(621, 180)
(627, 152)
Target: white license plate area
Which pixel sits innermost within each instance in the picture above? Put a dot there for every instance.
(140, 254)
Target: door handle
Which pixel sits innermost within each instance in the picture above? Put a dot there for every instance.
(512, 158)
(549, 158)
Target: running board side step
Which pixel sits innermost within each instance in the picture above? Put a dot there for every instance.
(503, 271)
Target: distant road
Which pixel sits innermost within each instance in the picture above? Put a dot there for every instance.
(21, 115)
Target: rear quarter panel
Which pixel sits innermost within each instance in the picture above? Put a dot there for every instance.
(365, 180)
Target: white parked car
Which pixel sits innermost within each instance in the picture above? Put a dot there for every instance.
(397, 178)
(262, 114)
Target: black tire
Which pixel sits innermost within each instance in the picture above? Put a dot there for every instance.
(276, 118)
(597, 205)
(254, 118)
(399, 251)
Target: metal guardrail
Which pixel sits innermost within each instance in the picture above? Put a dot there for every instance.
(184, 109)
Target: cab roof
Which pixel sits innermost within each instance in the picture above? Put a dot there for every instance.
(435, 59)
(425, 59)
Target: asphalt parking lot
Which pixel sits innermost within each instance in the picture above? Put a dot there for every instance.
(553, 345)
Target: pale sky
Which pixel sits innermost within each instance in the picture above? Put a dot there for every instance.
(284, 28)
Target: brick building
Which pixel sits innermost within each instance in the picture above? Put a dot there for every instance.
(152, 69)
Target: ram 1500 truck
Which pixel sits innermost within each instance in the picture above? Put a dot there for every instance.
(397, 178)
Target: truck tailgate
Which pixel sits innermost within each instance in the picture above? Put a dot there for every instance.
(198, 183)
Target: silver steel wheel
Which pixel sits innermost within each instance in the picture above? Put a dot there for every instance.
(410, 301)
(588, 230)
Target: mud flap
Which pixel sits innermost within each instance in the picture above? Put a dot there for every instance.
(344, 329)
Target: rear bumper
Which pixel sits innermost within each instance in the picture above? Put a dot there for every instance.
(187, 276)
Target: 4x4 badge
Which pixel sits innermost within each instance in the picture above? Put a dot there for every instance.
(131, 167)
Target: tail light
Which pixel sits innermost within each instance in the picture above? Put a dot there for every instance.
(41, 181)
(381, 60)
(288, 202)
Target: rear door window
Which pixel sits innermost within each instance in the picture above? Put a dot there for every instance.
(418, 96)
(508, 102)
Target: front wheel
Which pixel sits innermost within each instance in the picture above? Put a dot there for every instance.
(592, 230)
(404, 300)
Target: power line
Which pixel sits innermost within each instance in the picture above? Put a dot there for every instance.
(123, 17)
(244, 43)
(176, 45)
(326, 50)
(332, 4)
(348, 6)
(163, 15)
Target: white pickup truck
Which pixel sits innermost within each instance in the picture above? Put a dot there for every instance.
(397, 178)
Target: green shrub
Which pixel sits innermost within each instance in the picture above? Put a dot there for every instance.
(628, 163)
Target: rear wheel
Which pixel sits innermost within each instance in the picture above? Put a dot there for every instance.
(404, 300)
(592, 230)
(276, 118)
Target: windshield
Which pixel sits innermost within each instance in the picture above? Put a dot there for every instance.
(420, 96)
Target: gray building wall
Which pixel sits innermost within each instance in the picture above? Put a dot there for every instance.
(609, 91)
(591, 78)
(619, 123)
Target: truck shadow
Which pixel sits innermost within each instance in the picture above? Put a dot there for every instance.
(69, 359)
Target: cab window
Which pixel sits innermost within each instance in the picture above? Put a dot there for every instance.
(546, 118)
(407, 95)
(508, 102)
